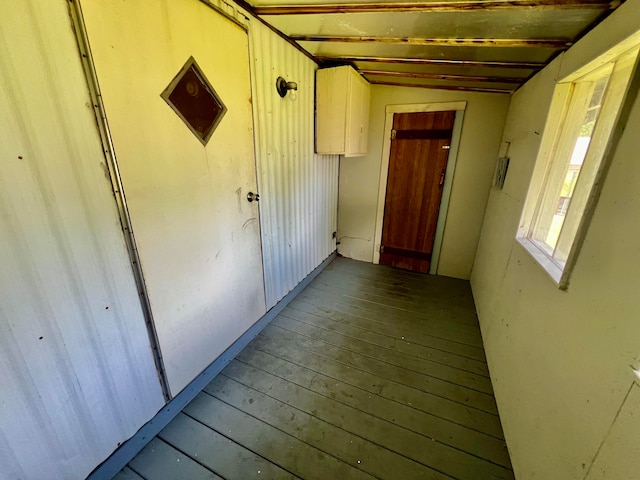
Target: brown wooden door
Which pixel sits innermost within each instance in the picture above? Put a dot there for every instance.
(418, 160)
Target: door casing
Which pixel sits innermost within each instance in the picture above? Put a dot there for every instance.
(390, 110)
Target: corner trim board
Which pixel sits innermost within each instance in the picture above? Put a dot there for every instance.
(93, 87)
(125, 453)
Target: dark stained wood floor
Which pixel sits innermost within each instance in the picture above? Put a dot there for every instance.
(369, 373)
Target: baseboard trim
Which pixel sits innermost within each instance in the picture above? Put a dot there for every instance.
(125, 453)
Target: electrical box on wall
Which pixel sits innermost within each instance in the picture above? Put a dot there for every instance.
(342, 112)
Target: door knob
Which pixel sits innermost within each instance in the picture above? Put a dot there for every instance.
(253, 196)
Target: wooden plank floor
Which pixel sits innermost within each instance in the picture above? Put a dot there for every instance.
(369, 373)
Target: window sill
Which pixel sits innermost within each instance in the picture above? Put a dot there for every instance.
(542, 258)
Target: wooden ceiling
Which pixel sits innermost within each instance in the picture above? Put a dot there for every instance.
(481, 45)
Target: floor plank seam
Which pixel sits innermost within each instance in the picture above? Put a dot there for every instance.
(369, 373)
(403, 368)
(478, 347)
(137, 472)
(337, 310)
(326, 288)
(286, 433)
(417, 297)
(283, 314)
(368, 440)
(293, 306)
(195, 459)
(418, 309)
(475, 377)
(385, 305)
(367, 413)
(421, 300)
(222, 434)
(426, 280)
(408, 405)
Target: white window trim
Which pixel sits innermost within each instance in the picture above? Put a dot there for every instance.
(561, 96)
(545, 261)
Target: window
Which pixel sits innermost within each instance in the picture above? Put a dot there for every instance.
(580, 128)
(195, 101)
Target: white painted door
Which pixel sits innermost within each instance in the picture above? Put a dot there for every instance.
(198, 236)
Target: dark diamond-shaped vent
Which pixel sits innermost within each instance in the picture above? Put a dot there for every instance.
(195, 101)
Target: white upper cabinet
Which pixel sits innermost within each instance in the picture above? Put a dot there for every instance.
(342, 112)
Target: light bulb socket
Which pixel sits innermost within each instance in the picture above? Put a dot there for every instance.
(282, 86)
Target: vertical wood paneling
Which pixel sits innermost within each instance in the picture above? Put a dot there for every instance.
(298, 189)
(76, 371)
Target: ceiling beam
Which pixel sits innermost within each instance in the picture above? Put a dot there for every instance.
(431, 61)
(439, 76)
(445, 87)
(442, 42)
(461, 6)
(246, 6)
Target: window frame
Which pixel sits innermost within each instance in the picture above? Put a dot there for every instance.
(166, 94)
(552, 134)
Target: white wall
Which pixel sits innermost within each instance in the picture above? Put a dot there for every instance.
(76, 371)
(477, 156)
(560, 360)
(298, 189)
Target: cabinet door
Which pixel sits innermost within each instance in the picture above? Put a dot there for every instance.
(331, 110)
(355, 126)
(342, 112)
(364, 134)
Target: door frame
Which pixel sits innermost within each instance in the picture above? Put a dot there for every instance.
(390, 110)
(93, 86)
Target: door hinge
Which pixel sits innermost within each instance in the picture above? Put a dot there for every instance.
(393, 134)
(381, 248)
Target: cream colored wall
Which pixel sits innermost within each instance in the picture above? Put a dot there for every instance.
(359, 177)
(77, 375)
(76, 369)
(560, 360)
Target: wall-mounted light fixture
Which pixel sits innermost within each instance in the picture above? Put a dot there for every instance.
(283, 87)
